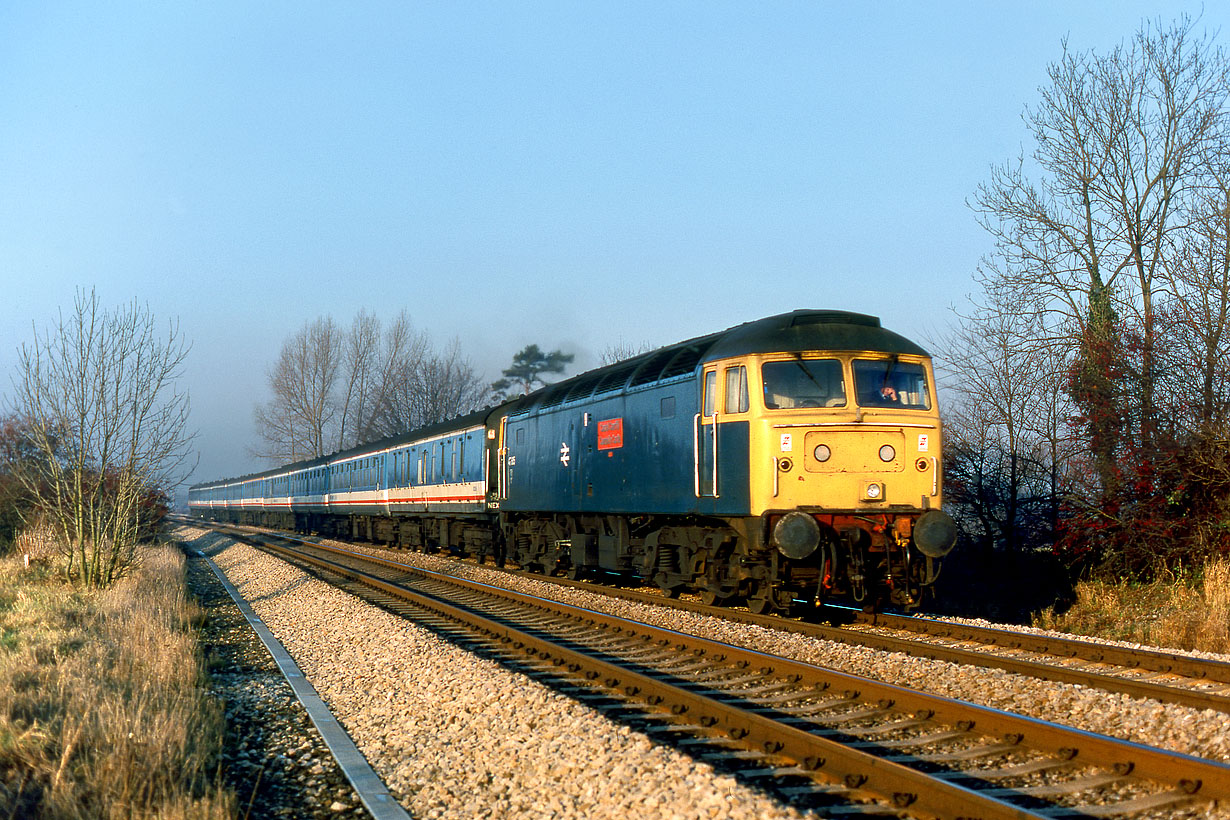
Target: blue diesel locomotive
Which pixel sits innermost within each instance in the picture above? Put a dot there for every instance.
(794, 459)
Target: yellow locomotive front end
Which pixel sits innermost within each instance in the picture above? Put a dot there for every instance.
(845, 473)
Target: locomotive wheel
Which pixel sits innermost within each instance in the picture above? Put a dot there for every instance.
(765, 599)
(760, 599)
(668, 585)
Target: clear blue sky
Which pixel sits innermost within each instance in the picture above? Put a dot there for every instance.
(570, 174)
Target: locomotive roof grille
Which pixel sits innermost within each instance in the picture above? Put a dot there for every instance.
(615, 379)
(832, 317)
(651, 369)
(686, 360)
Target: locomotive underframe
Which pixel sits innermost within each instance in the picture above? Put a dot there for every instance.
(723, 559)
(727, 558)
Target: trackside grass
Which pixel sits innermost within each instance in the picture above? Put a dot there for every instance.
(1191, 612)
(104, 711)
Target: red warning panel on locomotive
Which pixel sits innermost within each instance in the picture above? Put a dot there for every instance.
(610, 434)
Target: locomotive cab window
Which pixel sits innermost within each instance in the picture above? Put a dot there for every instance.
(890, 383)
(736, 389)
(710, 398)
(803, 383)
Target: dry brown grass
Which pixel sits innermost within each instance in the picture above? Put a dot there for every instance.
(38, 543)
(103, 707)
(1189, 612)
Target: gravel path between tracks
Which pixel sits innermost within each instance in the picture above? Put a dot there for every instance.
(457, 736)
(419, 708)
(273, 758)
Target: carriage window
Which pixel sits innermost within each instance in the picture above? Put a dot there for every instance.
(803, 383)
(890, 383)
(736, 389)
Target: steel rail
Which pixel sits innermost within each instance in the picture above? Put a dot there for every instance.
(1192, 776)
(1153, 660)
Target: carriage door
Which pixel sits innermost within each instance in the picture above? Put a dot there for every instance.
(706, 437)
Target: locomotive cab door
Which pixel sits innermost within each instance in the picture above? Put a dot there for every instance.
(705, 460)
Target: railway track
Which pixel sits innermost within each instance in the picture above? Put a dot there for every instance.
(1199, 683)
(815, 735)
(1168, 677)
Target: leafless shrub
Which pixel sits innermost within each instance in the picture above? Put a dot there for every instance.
(37, 543)
(108, 430)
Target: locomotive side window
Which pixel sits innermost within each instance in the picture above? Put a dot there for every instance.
(889, 383)
(803, 383)
(736, 389)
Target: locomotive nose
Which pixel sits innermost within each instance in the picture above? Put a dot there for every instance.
(935, 533)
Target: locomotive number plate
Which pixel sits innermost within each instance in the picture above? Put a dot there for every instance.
(610, 434)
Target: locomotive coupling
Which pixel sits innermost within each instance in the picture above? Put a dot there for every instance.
(935, 533)
(796, 535)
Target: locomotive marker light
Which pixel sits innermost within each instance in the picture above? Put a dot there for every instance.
(796, 535)
(822, 452)
(935, 533)
(887, 453)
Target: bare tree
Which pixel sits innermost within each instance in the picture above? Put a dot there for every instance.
(1121, 143)
(297, 422)
(1197, 312)
(1113, 265)
(1005, 430)
(334, 390)
(621, 350)
(449, 386)
(402, 350)
(360, 348)
(109, 428)
(433, 387)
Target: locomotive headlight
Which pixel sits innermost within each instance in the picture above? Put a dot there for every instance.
(873, 491)
(822, 452)
(887, 453)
